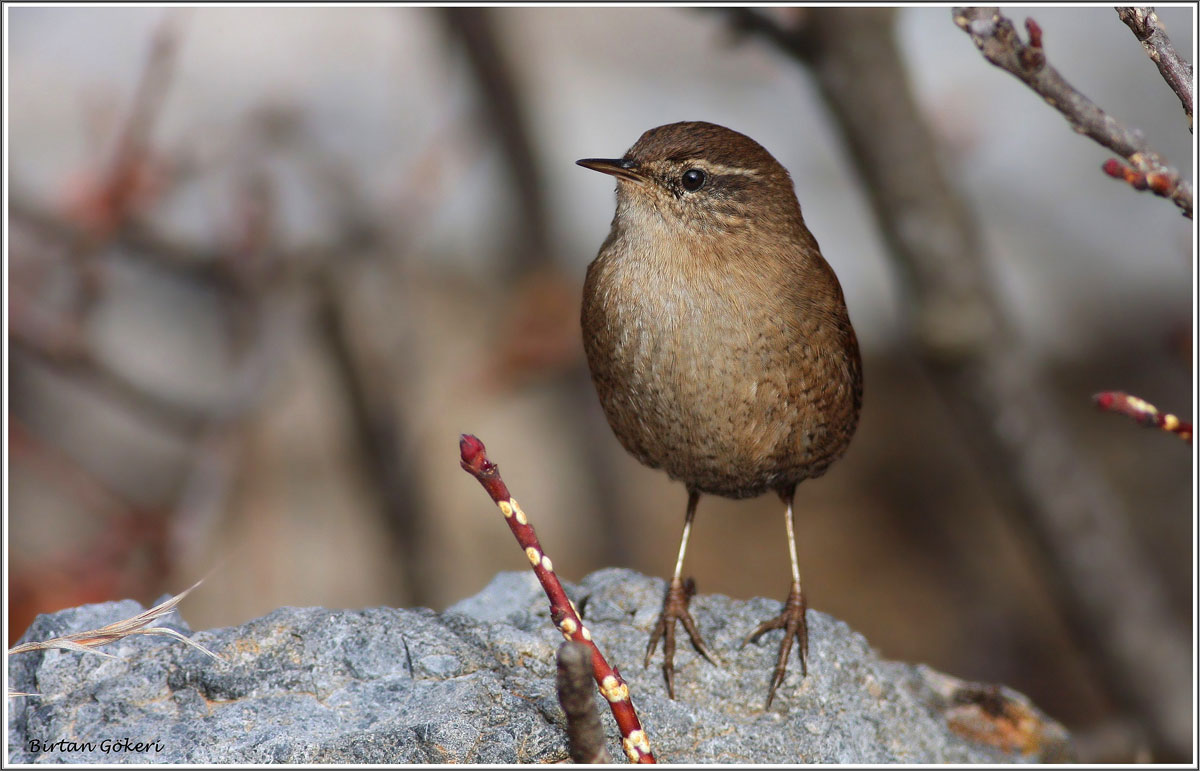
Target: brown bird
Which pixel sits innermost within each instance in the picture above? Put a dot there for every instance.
(718, 340)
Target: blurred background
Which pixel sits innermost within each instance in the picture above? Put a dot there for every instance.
(266, 264)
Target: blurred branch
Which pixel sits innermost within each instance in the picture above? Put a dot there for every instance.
(996, 38)
(1107, 590)
(379, 429)
(505, 116)
(104, 204)
(247, 269)
(585, 735)
(66, 351)
(99, 203)
(128, 524)
(365, 369)
(539, 333)
(85, 567)
(205, 263)
(96, 494)
(82, 366)
(149, 95)
(138, 240)
(263, 289)
(277, 318)
(1143, 412)
(1152, 35)
(216, 463)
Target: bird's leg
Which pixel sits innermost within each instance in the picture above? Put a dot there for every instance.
(675, 608)
(792, 619)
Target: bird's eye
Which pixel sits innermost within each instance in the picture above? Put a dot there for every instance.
(693, 180)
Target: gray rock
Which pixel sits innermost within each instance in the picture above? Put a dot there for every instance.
(475, 684)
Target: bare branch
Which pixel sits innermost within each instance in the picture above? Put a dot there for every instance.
(996, 38)
(1153, 36)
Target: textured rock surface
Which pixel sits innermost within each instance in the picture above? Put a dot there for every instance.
(476, 684)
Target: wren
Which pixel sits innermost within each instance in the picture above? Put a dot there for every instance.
(719, 341)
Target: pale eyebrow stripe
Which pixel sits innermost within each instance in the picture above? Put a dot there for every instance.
(717, 168)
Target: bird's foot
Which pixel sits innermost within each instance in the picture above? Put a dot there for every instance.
(795, 627)
(675, 608)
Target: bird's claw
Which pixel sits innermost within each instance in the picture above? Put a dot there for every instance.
(792, 620)
(675, 608)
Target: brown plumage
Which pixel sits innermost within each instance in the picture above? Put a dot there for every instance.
(717, 335)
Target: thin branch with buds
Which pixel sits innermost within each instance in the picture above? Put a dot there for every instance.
(475, 462)
(1143, 412)
(996, 38)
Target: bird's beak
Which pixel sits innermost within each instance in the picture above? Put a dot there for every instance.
(622, 168)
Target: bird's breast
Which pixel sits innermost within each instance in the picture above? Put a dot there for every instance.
(713, 375)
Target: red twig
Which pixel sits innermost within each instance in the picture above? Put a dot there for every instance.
(1143, 412)
(634, 740)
